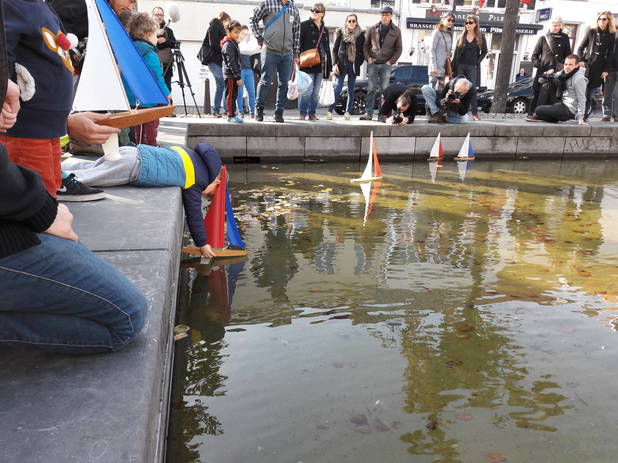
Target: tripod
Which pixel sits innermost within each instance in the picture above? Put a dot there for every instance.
(183, 78)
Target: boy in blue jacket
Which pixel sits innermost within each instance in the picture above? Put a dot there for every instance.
(195, 171)
(143, 31)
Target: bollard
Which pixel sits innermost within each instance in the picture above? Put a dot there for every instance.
(207, 96)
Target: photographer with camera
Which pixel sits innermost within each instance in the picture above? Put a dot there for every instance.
(166, 42)
(452, 104)
(548, 57)
(571, 85)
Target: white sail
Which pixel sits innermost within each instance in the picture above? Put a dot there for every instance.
(462, 167)
(366, 189)
(368, 172)
(465, 148)
(433, 170)
(435, 150)
(100, 86)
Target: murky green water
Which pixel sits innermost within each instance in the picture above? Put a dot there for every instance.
(455, 321)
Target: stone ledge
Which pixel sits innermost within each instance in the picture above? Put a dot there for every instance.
(107, 408)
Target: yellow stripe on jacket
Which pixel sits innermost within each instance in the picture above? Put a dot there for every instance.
(188, 165)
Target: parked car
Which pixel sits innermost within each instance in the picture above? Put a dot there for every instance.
(519, 97)
(413, 76)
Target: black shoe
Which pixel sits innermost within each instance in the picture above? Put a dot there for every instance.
(259, 115)
(279, 117)
(74, 190)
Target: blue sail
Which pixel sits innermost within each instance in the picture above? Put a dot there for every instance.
(136, 73)
(231, 232)
(233, 272)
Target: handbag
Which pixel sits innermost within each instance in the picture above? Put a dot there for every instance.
(327, 93)
(448, 68)
(303, 81)
(205, 51)
(311, 57)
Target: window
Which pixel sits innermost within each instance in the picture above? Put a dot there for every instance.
(571, 31)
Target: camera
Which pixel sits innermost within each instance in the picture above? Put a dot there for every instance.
(547, 78)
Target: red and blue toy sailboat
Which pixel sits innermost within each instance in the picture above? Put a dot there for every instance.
(465, 153)
(221, 225)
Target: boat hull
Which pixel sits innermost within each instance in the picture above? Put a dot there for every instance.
(136, 117)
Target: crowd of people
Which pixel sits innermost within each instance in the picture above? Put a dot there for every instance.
(285, 42)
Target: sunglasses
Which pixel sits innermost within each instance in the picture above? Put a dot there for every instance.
(450, 20)
(603, 19)
(316, 11)
(352, 20)
(470, 22)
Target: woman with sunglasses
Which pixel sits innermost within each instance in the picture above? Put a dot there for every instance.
(348, 58)
(441, 45)
(470, 51)
(313, 34)
(596, 50)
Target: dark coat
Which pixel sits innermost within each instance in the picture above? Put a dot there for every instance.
(231, 59)
(340, 52)
(464, 104)
(613, 62)
(597, 49)
(391, 95)
(215, 34)
(550, 52)
(309, 35)
(481, 53)
(390, 49)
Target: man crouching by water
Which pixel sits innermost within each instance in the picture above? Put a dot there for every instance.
(571, 85)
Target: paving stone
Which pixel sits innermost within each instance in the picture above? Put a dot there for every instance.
(534, 147)
(227, 147)
(400, 148)
(332, 148)
(277, 148)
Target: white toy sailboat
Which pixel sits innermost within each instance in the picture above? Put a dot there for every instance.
(465, 153)
(100, 86)
(369, 193)
(434, 168)
(437, 152)
(372, 169)
(220, 224)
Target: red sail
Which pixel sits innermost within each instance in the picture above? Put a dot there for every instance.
(376, 164)
(214, 222)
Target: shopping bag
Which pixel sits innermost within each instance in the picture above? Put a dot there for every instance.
(303, 81)
(292, 86)
(327, 93)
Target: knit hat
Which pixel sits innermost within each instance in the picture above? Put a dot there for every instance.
(211, 158)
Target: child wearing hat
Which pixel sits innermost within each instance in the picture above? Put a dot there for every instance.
(195, 171)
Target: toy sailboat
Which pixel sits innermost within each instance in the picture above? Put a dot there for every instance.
(437, 152)
(465, 153)
(372, 169)
(434, 168)
(369, 193)
(462, 168)
(220, 224)
(100, 86)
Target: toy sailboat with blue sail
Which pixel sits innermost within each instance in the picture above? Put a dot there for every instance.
(110, 57)
(465, 153)
(221, 225)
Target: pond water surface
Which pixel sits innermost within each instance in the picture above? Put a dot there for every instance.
(468, 320)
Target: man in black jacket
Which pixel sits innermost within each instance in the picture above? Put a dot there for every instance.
(452, 104)
(548, 57)
(57, 296)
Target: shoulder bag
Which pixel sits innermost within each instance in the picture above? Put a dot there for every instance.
(311, 57)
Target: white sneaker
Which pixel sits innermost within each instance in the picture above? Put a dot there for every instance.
(346, 116)
(329, 116)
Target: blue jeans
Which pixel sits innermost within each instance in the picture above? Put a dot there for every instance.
(217, 73)
(308, 101)
(59, 297)
(378, 76)
(471, 72)
(349, 72)
(282, 66)
(248, 82)
(430, 98)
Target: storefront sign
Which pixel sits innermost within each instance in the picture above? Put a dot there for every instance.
(461, 16)
(544, 14)
(487, 27)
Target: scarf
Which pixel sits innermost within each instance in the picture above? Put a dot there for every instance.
(562, 80)
(350, 38)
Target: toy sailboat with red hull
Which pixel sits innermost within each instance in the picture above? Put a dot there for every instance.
(220, 224)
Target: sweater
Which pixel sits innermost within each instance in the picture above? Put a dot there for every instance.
(574, 96)
(25, 207)
(148, 52)
(441, 44)
(33, 36)
(282, 37)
